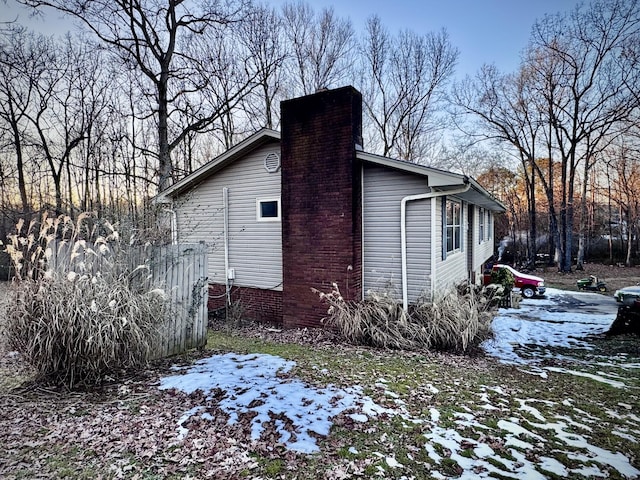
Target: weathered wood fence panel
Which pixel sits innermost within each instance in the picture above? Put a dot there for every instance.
(181, 270)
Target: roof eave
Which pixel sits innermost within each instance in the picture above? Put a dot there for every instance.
(481, 198)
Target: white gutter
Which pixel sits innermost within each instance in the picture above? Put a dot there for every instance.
(403, 231)
(225, 208)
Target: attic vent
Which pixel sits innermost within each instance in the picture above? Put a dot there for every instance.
(272, 162)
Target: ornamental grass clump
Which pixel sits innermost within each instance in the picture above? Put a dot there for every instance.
(78, 310)
(457, 320)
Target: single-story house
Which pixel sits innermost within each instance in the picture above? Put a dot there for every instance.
(286, 212)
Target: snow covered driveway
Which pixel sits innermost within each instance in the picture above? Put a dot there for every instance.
(548, 328)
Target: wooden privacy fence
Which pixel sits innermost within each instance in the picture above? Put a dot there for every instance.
(181, 270)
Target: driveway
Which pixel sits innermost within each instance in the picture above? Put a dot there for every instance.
(560, 327)
(578, 302)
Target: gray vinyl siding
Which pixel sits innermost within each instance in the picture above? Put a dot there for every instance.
(453, 270)
(482, 249)
(255, 248)
(418, 248)
(383, 190)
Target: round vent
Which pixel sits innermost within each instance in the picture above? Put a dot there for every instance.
(272, 162)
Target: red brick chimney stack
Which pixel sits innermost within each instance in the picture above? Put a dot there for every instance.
(321, 201)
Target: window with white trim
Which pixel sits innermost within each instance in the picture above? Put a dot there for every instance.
(268, 209)
(480, 225)
(453, 225)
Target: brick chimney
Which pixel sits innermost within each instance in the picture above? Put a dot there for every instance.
(321, 202)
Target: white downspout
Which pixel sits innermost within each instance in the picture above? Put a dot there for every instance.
(174, 224)
(225, 208)
(362, 231)
(403, 231)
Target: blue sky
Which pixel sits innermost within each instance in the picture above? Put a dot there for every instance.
(485, 31)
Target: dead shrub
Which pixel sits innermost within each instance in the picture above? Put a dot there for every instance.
(82, 310)
(456, 320)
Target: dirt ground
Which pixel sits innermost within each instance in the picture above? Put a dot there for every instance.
(615, 277)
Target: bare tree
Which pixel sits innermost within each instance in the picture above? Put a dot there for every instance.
(623, 161)
(403, 80)
(148, 37)
(570, 97)
(223, 79)
(262, 35)
(591, 98)
(57, 115)
(322, 47)
(500, 107)
(24, 60)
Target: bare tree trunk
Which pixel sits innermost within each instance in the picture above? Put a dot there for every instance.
(627, 260)
(533, 220)
(165, 167)
(22, 188)
(583, 218)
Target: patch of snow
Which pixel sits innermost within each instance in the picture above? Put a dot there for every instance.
(616, 460)
(353, 450)
(624, 435)
(252, 384)
(358, 417)
(182, 430)
(597, 378)
(553, 466)
(573, 423)
(432, 389)
(534, 412)
(516, 430)
(393, 463)
(633, 417)
(517, 443)
(435, 415)
(498, 390)
(523, 336)
(612, 413)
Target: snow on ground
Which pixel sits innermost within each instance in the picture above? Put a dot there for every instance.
(515, 455)
(254, 383)
(524, 336)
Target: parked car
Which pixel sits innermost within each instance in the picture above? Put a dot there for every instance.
(628, 296)
(529, 285)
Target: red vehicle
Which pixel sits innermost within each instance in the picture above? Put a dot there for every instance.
(529, 285)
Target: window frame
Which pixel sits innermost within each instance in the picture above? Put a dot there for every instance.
(452, 224)
(260, 217)
(481, 230)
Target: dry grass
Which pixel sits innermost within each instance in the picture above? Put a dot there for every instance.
(77, 309)
(74, 332)
(454, 321)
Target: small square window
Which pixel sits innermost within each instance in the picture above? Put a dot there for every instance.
(268, 209)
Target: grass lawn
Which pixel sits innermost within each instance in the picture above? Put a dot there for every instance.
(444, 416)
(443, 407)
